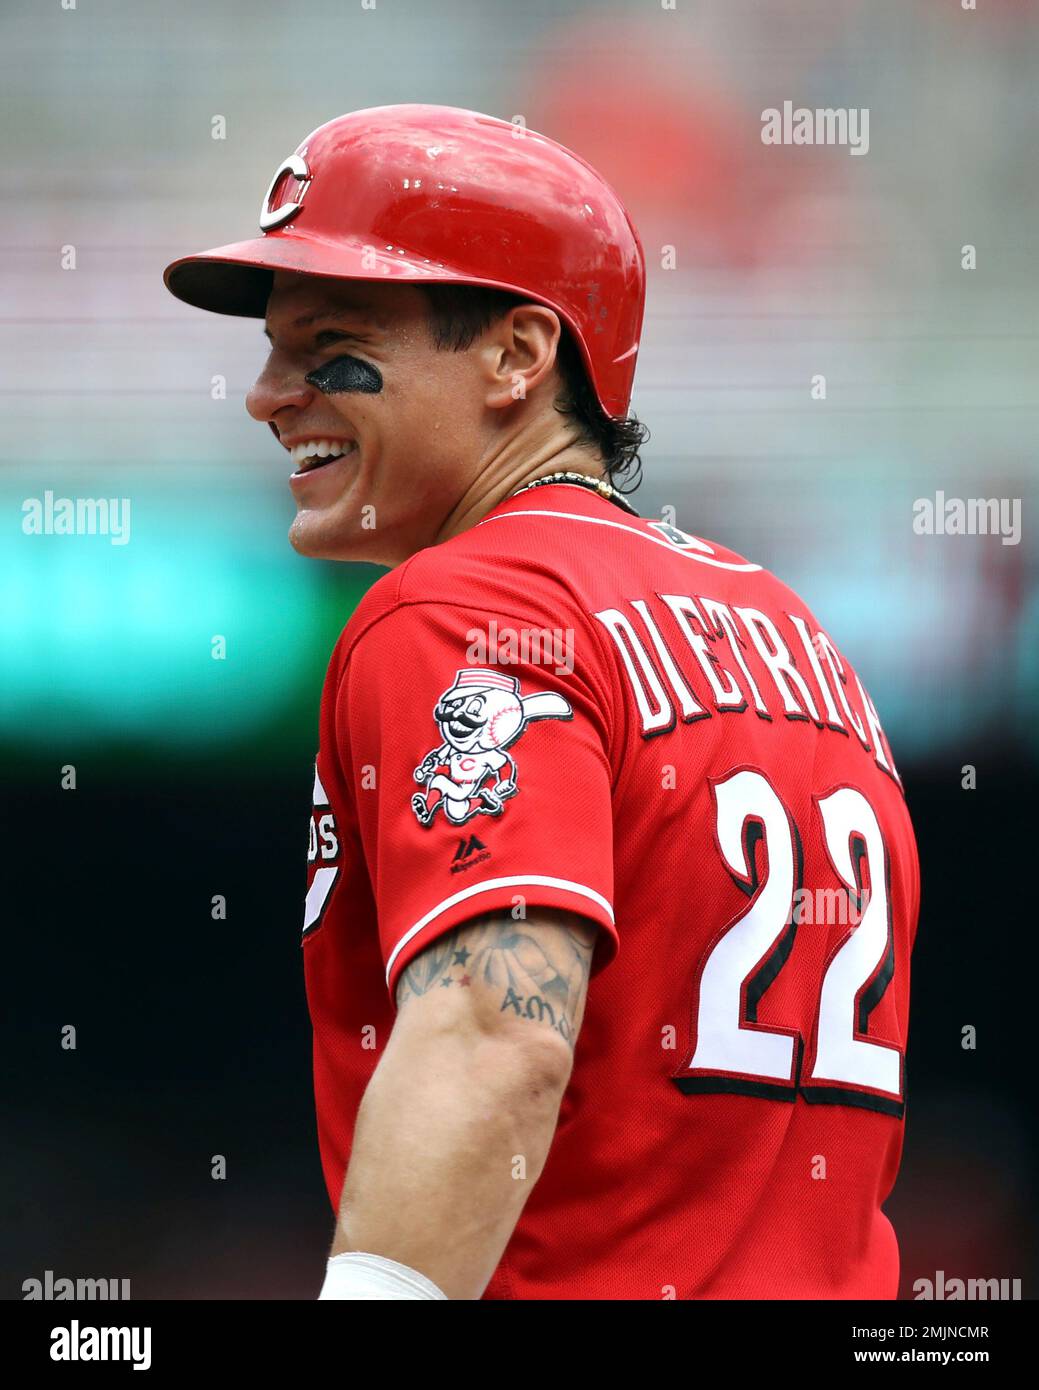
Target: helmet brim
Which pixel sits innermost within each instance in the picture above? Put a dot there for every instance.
(237, 279)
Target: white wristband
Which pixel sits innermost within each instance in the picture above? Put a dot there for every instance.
(360, 1276)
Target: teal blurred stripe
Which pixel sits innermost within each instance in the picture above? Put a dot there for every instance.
(114, 643)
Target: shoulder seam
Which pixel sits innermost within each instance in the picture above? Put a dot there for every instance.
(401, 603)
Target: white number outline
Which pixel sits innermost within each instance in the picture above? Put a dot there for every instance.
(744, 958)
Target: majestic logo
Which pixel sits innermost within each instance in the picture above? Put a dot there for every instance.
(470, 852)
(480, 716)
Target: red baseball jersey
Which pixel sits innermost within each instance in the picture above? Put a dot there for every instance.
(569, 706)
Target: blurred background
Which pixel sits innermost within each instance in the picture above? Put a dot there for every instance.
(768, 265)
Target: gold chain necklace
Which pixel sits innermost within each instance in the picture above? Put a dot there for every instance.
(599, 485)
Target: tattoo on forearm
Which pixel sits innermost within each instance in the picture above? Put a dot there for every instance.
(534, 973)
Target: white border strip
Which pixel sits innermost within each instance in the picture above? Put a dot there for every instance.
(619, 526)
(539, 880)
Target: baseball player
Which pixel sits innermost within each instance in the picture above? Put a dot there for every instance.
(607, 960)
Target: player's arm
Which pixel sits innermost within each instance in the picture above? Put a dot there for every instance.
(457, 1120)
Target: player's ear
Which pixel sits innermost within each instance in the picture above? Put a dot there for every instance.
(518, 353)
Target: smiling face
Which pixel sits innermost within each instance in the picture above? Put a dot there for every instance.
(402, 426)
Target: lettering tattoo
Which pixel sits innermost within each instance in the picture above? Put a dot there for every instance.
(534, 970)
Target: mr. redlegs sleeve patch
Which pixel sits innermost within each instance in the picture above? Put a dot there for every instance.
(480, 716)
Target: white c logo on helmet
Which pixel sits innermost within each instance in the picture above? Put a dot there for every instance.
(270, 218)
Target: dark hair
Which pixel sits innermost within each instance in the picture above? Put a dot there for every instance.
(460, 313)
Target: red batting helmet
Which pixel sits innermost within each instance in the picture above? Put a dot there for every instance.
(432, 194)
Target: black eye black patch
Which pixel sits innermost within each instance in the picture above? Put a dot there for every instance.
(345, 374)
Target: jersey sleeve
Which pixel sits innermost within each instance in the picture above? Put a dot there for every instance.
(480, 784)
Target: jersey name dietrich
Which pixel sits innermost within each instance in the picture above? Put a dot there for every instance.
(481, 715)
(719, 637)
